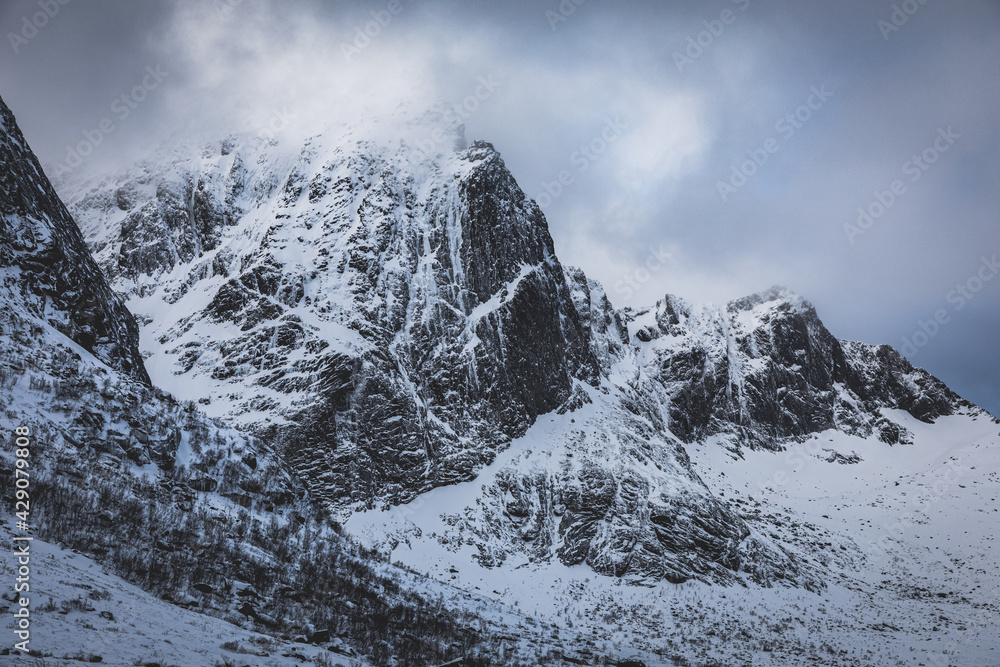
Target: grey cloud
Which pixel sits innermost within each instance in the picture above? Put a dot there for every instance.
(657, 184)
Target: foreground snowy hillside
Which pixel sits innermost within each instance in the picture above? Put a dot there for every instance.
(85, 613)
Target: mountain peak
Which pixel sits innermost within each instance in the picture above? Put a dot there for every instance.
(775, 296)
(340, 282)
(766, 368)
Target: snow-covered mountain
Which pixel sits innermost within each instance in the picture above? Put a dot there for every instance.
(385, 330)
(898, 535)
(195, 513)
(382, 330)
(393, 317)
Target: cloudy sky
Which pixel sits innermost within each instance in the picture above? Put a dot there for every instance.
(848, 150)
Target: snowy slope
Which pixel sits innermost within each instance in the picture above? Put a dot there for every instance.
(595, 486)
(84, 612)
(897, 538)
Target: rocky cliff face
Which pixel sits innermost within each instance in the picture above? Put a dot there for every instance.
(405, 313)
(600, 485)
(617, 490)
(765, 367)
(46, 268)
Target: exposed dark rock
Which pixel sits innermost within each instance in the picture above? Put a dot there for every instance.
(767, 369)
(44, 258)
